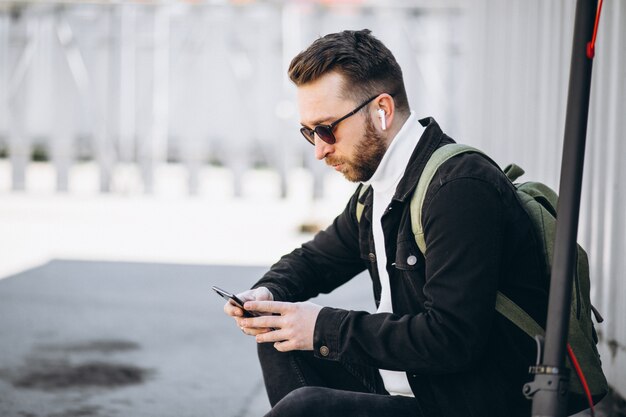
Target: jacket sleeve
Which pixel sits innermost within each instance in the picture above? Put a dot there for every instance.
(329, 260)
(463, 230)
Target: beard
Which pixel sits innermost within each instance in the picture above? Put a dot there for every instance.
(367, 155)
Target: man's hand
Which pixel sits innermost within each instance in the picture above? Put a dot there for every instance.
(260, 294)
(294, 324)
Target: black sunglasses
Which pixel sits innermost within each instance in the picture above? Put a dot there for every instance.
(325, 132)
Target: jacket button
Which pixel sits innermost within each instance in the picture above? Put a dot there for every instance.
(372, 256)
(324, 351)
(411, 260)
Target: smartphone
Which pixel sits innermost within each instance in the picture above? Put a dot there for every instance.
(235, 300)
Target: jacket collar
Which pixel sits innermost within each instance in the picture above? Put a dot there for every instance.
(431, 139)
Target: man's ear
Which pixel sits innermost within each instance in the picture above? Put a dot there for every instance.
(385, 110)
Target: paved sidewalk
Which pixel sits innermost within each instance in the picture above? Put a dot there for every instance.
(100, 339)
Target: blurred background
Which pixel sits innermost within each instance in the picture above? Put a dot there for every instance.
(159, 138)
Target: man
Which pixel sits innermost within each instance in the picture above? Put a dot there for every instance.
(436, 346)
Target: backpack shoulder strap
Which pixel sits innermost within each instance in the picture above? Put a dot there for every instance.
(517, 315)
(437, 159)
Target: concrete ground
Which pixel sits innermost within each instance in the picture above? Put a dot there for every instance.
(106, 339)
(109, 339)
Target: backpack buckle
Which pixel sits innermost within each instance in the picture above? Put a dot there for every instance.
(544, 370)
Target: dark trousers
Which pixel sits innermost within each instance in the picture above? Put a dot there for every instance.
(300, 385)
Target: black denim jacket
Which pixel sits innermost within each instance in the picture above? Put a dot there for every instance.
(461, 357)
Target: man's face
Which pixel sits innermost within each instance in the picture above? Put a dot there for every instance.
(359, 148)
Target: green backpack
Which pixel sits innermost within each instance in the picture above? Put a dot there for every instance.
(540, 203)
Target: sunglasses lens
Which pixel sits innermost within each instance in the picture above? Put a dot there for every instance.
(308, 135)
(325, 133)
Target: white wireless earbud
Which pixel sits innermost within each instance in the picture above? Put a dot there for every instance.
(383, 121)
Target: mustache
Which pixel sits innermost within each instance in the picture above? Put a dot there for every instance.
(330, 161)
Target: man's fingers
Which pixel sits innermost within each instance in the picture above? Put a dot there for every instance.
(268, 306)
(255, 332)
(249, 329)
(285, 346)
(261, 322)
(271, 336)
(232, 310)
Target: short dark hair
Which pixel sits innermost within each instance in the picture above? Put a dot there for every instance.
(367, 65)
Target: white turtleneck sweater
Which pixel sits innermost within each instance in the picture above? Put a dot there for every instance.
(384, 183)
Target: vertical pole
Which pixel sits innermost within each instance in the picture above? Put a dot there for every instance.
(105, 131)
(127, 84)
(156, 151)
(100, 96)
(550, 388)
(69, 79)
(22, 40)
(4, 74)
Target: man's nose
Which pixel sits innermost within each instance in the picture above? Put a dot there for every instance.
(322, 149)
